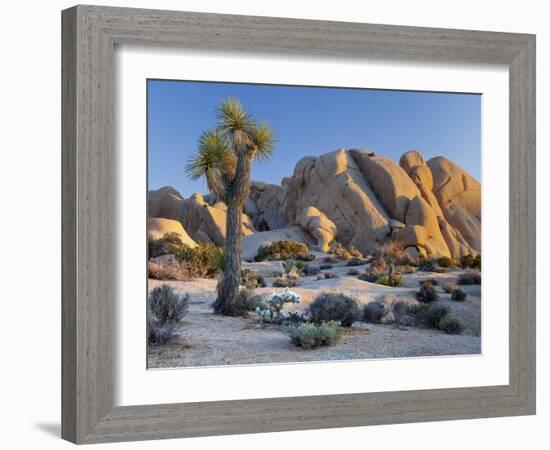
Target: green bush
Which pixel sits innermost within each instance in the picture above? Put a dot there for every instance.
(247, 302)
(338, 307)
(447, 262)
(281, 251)
(251, 280)
(311, 335)
(205, 260)
(451, 325)
(426, 265)
(430, 315)
(166, 305)
(374, 311)
(469, 278)
(427, 293)
(389, 279)
(458, 295)
(471, 261)
(300, 265)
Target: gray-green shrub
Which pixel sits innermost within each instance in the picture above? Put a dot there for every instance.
(166, 305)
(374, 311)
(311, 335)
(458, 295)
(430, 315)
(451, 325)
(469, 278)
(329, 306)
(427, 293)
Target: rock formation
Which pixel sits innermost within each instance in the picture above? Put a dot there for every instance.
(318, 226)
(158, 227)
(353, 197)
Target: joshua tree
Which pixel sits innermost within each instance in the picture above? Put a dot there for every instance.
(223, 158)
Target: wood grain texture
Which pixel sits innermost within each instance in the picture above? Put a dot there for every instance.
(89, 37)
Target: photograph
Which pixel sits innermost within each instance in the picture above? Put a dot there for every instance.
(307, 224)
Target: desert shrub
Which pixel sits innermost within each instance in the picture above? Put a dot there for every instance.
(341, 252)
(389, 279)
(159, 334)
(353, 272)
(427, 293)
(431, 281)
(355, 253)
(308, 257)
(374, 311)
(328, 275)
(369, 276)
(430, 315)
(471, 261)
(166, 305)
(449, 286)
(330, 260)
(355, 262)
(447, 262)
(311, 270)
(170, 243)
(377, 263)
(334, 306)
(404, 313)
(281, 250)
(294, 318)
(286, 280)
(426, 264)
(311, 335)
(166, 271)
(272, 308)
(251, 280)
(204, 260)
(326, 266)
(299, 265)
(458, 295)
(406, 269)
(469, 278)
(247, 302)
(451, 325)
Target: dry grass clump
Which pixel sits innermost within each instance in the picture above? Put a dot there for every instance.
(169, 271)
(449, 286)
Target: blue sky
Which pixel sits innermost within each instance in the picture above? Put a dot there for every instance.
(310, 121)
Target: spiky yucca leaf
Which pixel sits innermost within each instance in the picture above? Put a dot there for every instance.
(263, 140)
(214, 160)
(236, 123)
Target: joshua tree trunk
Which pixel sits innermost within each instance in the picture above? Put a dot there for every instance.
(228, 288)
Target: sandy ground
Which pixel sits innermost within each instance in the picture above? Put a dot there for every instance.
(206, 339)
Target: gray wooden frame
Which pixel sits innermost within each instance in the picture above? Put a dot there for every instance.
(89, 36)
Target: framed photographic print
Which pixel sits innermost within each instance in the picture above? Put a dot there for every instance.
(268, 222)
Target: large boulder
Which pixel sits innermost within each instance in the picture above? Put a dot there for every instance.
(266, 205)
(166, 203)
(157, 227)
(414, 164)
(334, 184)
(207, 223)
(388, 180)
(459, 195)
(253, 242)
(421, 174)
(318, 226)
(421, 213)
